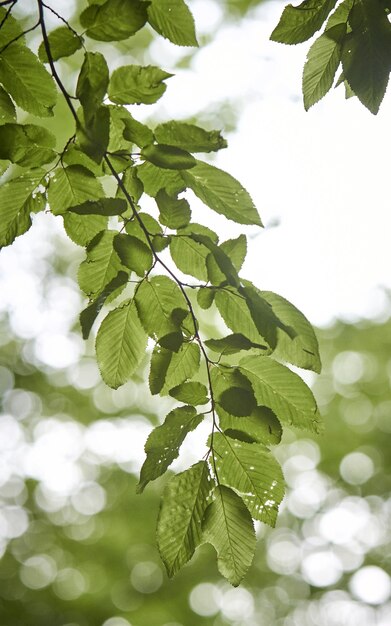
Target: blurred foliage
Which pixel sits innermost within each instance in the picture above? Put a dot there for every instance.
(85, 552)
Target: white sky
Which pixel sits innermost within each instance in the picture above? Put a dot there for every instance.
(324, 175)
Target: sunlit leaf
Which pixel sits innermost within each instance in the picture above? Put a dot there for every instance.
(168, 157)
(27, 81)
(173, 20)
(63, 42)
(191, 393)
(27, 145)
(251, 471)
(156, 300)
(71, 186)
(133, 253)
(189, 137)
(283, 391)
(222, 193)
(162, 445)
(229, 528)
(299, 23)
(120, 344)
(132, 84)
(101, 265)
(179, 529)
(114, 20)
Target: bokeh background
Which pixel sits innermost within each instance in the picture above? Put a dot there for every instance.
(77, 545)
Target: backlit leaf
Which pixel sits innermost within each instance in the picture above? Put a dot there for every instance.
(232, 344)
(103, 206)
(222, 193)
(168, 157)
(120, 344)
(183, 365)
(299, 23)
(179, 527)
(92, 83)
(253, 473)
(63, 42)
(368, 45)
(162, 445)
(189, 137)
(14, 207)
(7, 108)
(174, 212)
(234, 310)
(173, 20)
(283, 391)
(72, 186)
(300, 347)
(134, 84)
(189, 255)
(114, 20)
(229, 528)
(27, 81)
(156, 299)
(191, 393)
(91, 312)
(262, 426)
(27, 145)
(133, 253)
(156, 178)
(101, 265)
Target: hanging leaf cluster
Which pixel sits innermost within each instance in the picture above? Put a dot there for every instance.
(239, 382)
(356, 40)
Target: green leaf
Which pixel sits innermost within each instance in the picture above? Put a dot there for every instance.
(91, 312)
(283, 391)
(172, 341)
(114, 20)
(120, 344)
(368, 45)
(234, 310)
(161, 359)
(172, 19)
(253, 473)
(133, 253)
(205, 297)
(232, 344)
(183, 365)
(189, 255)
(15, 208)
(323, 60)
(262, 426)
(103, 206)
(189, 137)
(300, 347)
(132, 184)
(7, 107)
(263, 315)
(92, 83)
(153, 227)
(179, 530)
(222, 260)
(162, 445)
(238, 401)
(222, 193)
(297, 24)
(191, 393)
(27, 81)
(27, 145)
(236, 250)
(136, 132)
(229, 528)
(156, 178)
(168, 157)
(101, 265)
(156, 299)
(232, 391)
(72, 186)
(63, 42)
(134, 84)
(174, 212)
(82, 228)
(94, 132)
(74, 156)
(10, 29)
